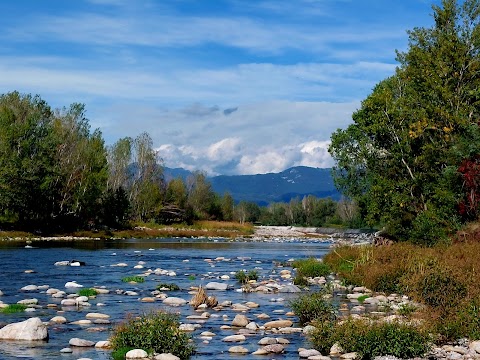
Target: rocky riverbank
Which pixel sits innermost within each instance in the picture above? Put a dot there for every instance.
(254, 318)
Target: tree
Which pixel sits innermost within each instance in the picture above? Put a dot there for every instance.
(201, 197)
(227, 205)
(399, 158)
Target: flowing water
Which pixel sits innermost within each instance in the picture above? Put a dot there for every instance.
(186, 257)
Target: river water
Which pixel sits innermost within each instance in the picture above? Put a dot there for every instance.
(188, 258)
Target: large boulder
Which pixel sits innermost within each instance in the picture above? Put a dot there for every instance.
(30, 330)
(216, 286)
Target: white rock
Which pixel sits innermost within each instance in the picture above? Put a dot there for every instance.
(103, 344)
(234, 338)
(81, 342)
(166, 356)
(308, 352)
(72, 284)
(30, 330)
(136, 354)
(240, 320)
(28, 302)
(216, 286)
(29, 288)
(174, 301)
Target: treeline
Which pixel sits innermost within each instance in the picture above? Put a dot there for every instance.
(58, 175)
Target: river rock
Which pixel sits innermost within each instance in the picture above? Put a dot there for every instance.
(306, 353)
(278, 324)
(28, 302)
(216, 286)
(136, 354)
(267, 341)
(174, 301)
(103, 344)
(29, 288)
(240, 307)
(66, 351)
(238, 350)
(62, 263)
(1, 293)
(81, 342)
(166, 356)
(97, 316)
(260, 351)
(240, 320)
(72, 284)
(58, 320)
(475, 346)
(69, 302)
(252, 326)
(350, 356)
(289, 289)
(274, 348)
(234, 338)
(30, 330)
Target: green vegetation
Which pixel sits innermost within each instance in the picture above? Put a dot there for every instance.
(87, 292)
(13, 308)
(169, 286)
(310, 307)
(370, 339)
(410, 160)
(155, 332)
(244, 277)
(135, 279)
(362, 298)
(311, 267)
(441, 278)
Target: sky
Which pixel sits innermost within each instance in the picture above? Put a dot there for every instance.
(223, 86)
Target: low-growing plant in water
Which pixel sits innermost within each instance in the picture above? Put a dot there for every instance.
(136, 279)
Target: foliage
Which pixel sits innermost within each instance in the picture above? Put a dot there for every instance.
(136, 279)
(120, 353)
(244, 277)
(310, 307)
(13, 308)
(87, 292)
(311, 267)
(155, 332)
(169, 286)
(399, 159)
(442, 278)
(371, 339)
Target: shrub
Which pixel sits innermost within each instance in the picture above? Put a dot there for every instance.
(300, 280)
(169, 286)
(244, 277)
(155, 332)
(371, 339)
(311, 267)
(136, 279)
(87, 292)
(362, 298)
(13, 308)
(309, 307)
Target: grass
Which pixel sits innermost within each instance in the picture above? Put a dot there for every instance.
(362, 298)
(169, 286)
(370, 339)
(13, 308)
(244, 277)
(154, 332)
(310, 307)
(443, 278)
(135, 279)
(87, 292)
(309, 268)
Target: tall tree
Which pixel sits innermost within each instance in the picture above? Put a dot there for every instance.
(399, 159)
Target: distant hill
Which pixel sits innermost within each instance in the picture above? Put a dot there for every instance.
(263, 189)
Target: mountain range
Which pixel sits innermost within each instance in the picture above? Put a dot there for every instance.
(263, 189)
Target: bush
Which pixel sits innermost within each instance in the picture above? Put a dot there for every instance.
(309, 307)
(169, 286)
(371, 339)
(311, 267)
(136, 279)
(87, 292)
(244, 277)
(13, 308)
(155, 332)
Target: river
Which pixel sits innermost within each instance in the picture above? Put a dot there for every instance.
(188, 258)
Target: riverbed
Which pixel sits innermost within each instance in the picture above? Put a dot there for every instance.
(189, 263)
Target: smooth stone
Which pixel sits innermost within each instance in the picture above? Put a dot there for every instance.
(166, 356)
(278, 324)
(101, 290)
(30, 330)
(319, 357)
(252, 305)
(240, 307)
(274, 348)
(238, 350)
(234, 338)
(81, 342)
(187, 327)
(62, 263)
(97, 316)
(263, 316)
(252, 326)
(283, 341)
(267, 341)
(174, 301)
(58, 319)
(289, 289)
(66, 351)
(260, 351)
(72, 284)
(136, 354)
(81, 322)
(103, 344)
(475, 346)
(69, 302)
(81, 299)
(336, 349)
(28, 302)
(148, 299)
(29, 288)
(350, 356)
(306, 353)
(240, 320)
(216, 286)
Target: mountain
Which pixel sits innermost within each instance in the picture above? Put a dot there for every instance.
(263, 189)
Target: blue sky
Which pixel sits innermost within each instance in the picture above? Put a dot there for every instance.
(224, 86)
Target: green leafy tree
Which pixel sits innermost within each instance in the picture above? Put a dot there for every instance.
(399, 158)
(201, 197)
(227, 206)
